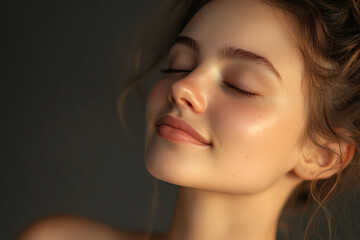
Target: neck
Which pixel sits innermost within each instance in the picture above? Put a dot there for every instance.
(202, 214)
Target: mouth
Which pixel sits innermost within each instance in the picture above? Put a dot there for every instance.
(177, 130)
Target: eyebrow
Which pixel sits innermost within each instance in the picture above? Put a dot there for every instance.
(228, 52)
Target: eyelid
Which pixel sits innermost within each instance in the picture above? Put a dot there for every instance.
(172, 70)
(239, 90)
(182, 59)
(226, 84)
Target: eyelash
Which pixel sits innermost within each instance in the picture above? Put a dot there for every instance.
(170, 70)
(226, 84)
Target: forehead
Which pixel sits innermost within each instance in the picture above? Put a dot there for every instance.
(252, 25)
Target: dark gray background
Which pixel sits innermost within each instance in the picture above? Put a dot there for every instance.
(62, 147)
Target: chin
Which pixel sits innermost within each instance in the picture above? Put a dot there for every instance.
(159, 171)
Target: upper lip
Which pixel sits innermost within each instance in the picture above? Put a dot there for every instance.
(181, 124)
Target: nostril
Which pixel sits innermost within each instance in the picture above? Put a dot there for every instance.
(187, 102)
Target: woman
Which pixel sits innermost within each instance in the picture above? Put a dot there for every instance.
(260, 101)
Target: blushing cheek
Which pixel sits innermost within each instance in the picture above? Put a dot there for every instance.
(244, 132)
(251, 130)
(253, 138)
(243, 119)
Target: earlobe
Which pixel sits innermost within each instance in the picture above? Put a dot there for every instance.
(321, 163)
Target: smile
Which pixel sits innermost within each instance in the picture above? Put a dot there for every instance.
(176, 135)
(178, 130)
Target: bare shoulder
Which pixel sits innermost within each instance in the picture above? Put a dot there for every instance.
(61, 227)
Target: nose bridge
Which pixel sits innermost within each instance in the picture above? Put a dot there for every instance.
(189, 92)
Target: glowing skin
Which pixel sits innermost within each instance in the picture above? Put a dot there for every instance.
(237, 187)
(247, 172)
(255, 139)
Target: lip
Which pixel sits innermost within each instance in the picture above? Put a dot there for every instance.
(182, 125)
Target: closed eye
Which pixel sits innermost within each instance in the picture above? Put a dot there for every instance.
(239, 91)
(171, 70)
(226, 84)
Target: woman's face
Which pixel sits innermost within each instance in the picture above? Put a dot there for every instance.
(254, 133)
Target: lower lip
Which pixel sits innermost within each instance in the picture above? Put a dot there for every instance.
(176, 135)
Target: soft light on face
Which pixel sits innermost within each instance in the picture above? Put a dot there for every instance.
(255, 137)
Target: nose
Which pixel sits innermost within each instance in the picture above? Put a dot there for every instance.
(188, 93)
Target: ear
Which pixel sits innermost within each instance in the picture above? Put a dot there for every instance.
(320, 163)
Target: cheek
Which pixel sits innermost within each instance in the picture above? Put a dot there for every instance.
(241, 121)
(269, 123)
(245, 132)
(257, 142)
